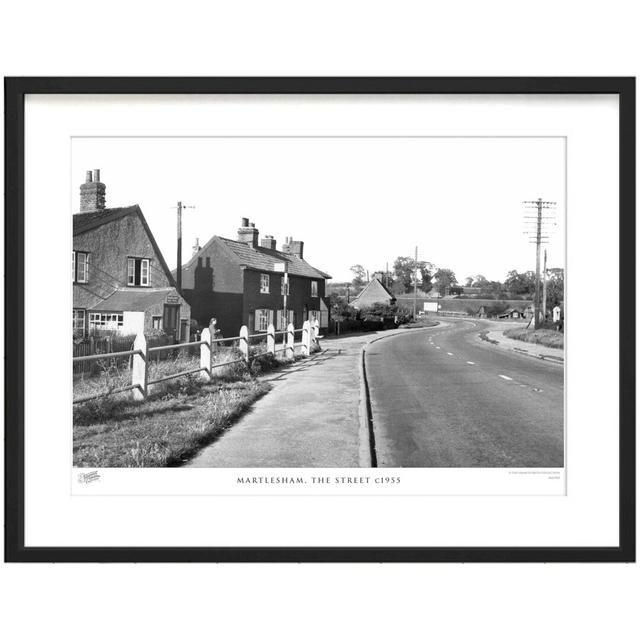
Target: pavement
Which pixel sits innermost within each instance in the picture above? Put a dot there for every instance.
(312, 417)
(447, 399)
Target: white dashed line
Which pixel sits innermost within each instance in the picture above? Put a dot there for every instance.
(504, 377)
(469, 362)
(449, 353)
(437, 347)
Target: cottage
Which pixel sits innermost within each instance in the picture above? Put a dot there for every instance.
(120, 280)
(374, 292)
(242, 282)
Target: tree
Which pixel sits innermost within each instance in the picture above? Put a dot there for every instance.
(555, 287)
(446, 279)
(403, 270)
(468, 281)
(359, 275)
(480, 281)
(520, 284)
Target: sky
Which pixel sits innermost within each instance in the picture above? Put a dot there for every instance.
(351, 200)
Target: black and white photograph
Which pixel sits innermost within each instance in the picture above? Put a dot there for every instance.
(318, 301)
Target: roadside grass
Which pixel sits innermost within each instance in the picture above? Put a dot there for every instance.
(419, 324)
(179, 417)
(545, 337)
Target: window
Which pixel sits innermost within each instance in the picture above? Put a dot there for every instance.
(78, 321)
(137, 272)
(314, 289)
(105, 321)
(281, 324)
(284, 287)
(156, 322)
(263, 318)
(80, 266)
(264, 283)
(313, 315)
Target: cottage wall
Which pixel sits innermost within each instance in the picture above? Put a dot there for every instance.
(109, 246)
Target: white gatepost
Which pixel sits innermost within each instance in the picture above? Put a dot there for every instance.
(205, 354)
(306, 338)
(139, 368)
(316, 332)
(271, 339)
(291, 337)
(213, 330)
(244, 342)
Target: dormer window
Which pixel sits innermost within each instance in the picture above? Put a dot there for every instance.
(80, 267)
(137, 272)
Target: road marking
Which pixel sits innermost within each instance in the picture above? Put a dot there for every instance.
(469, 362)
(437, 347)
(449, 353)
(504, 377)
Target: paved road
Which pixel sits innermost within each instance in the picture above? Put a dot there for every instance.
(443, 398)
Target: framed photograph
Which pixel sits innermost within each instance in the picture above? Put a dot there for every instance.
(320, 319)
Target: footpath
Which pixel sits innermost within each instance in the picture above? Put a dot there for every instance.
(310, 418)
(526, 348)
(314, 416)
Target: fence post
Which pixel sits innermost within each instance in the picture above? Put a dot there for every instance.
(271, 339)
(291, 337)
(139, 368)
(243, 343)
(316, 333)
(205, 354)
(213, 330)
(306, 338)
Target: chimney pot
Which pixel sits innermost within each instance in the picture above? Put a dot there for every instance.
(245, 222)
(92, 193)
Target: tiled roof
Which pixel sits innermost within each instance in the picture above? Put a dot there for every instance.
(85, 221)
(134, 299)
(262, 259)
(374, 287)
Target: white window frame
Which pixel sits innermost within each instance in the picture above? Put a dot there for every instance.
(314, 314)
(84, 279)
(282, 323)
(264, 283)
(110, 321)
(145, 269)
(314, 288)
(153, 322)
(77, 313)
(262, 320)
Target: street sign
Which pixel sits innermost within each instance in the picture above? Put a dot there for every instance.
(279, 266)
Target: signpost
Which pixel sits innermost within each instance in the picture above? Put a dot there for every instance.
(283, 267)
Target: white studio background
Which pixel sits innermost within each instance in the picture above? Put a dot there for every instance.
(362, 38)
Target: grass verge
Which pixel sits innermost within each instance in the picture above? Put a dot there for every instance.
(179, 417)
(545, 337)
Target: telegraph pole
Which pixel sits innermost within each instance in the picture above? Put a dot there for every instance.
(544, 288)
(415, 284)
(538, 220)
(179, 208)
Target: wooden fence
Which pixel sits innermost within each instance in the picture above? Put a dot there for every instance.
(141, 354)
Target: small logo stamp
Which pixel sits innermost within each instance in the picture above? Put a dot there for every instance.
(90, 476)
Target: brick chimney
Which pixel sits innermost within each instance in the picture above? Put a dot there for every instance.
(296, 247)
(248, 233)
(92, 193)
(268, 242)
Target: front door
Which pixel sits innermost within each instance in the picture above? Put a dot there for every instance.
(170, 319)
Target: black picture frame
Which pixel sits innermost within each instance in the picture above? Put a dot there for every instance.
(15, 91)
